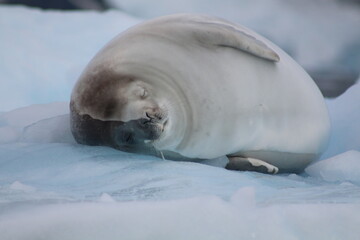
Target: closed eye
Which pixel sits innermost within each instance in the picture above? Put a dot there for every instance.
(144, 94)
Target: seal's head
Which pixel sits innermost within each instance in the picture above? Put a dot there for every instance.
(117, 110)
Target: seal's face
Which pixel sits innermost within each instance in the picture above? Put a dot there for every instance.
(118, 111)
(143, 118)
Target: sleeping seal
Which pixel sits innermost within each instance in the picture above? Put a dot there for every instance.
(197, 87)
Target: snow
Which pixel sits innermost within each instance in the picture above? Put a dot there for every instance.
(197, 218)
(13, 123)
(21, 187)
(53, 188)
(106, 198)
(343, 167)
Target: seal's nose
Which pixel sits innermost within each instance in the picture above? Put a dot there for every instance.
(155, 117)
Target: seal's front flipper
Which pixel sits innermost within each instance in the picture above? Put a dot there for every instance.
(250, 164)
(218, 32)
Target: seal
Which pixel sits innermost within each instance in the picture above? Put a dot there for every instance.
(195, 87)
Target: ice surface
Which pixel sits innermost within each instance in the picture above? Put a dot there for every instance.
(53, 188)
(98, 192)
(73, 187)
(341, 168)
(193, 219)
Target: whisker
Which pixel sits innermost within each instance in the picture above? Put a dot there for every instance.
(162, 155)
(158, 153)
(154, 150)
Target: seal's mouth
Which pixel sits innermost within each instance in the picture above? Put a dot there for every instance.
(139, 133)
(155, 122)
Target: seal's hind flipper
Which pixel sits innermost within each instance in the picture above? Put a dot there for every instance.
(250, 164)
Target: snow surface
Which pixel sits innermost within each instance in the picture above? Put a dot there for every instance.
(53, 188)
(341, 168)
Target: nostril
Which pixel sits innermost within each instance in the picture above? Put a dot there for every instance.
(159, 116)
(148, 115)
(154, 116)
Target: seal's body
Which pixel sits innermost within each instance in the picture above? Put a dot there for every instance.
(199, 87)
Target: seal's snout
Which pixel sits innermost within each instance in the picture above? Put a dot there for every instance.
(152, 117)
(156, 117)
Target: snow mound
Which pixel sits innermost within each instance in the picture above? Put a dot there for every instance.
(51, 130)
(341, 168)
(13, 123)
(21, 187)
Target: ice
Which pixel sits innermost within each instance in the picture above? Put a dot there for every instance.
(53, 188)
(57, 45)
(195, 218)
(340, 168)
(345, 119)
